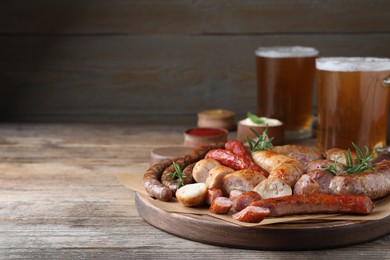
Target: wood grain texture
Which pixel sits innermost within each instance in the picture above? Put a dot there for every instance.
(125, 60)
(130, 76)
(189, 17)
(60, 198)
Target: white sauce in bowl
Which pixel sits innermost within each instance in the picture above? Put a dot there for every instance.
(267, 121)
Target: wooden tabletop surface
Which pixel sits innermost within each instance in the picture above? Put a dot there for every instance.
(60, 198)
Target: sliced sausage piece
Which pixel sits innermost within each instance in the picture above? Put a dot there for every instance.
(192, 195)
(317, 203)
(202, 168)
(212, 194)
(279, 166)
(221, 205)
(307, 185)
(244, 180)
(251, 214)
(234, 194)
(273, 188)
(245, 199)
(323, 178)
(373, 183)
(216, 175)
(316, 181)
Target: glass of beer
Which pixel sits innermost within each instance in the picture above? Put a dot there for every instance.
(353, 102)
(285, 82)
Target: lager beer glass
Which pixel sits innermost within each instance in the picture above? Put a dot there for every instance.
(285, 82)
(353, 102)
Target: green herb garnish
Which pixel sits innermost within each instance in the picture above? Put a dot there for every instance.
(262, 143)
(361, 163)
(255, 119)
(177, 174)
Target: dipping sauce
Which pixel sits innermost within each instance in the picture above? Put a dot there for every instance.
(275, 130)
(204, 135)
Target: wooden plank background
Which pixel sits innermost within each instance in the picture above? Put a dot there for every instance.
(97, 60)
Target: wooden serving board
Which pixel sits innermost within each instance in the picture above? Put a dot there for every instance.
(305, 235)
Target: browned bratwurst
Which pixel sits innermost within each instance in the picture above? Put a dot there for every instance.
(321, 164)
(172, 183)
(304, 154)
(337, 154)
(317, 203)
(152, 177)
(373, 183)
(315, 181)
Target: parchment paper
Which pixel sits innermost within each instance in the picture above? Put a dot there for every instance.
(133, 181)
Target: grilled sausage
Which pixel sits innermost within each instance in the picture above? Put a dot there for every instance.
(320, 164)
(316, 181)
(152, 177)
(373, 183)
(279, 166)
(221, 205)
(238, 148)
(216, 175)
(192, 195)
(173, 184)
(245, 199)
(251, 214)
(234, 194)
(212, 194)
(152, 184)
(273, 188)
(304, 154)
(337, 154)
(202, 168)
(244, 180)
(306, 185)
(317, 203)
(234, 161)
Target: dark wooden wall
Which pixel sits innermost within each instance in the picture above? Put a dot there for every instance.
(83, 60)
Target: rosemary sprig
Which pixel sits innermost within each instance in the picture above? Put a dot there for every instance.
(262, 143)
(255, 119)
(361, 164)
(177, 174)
(332, 168)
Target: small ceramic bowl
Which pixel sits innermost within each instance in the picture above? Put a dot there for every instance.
(216, 118)
(198, 136)
(275, 130)
(169, 152)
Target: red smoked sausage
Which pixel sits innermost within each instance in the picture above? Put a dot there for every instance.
(317, 203)
(234, 161)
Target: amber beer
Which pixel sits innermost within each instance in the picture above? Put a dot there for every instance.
(285, 81)
(353, 102)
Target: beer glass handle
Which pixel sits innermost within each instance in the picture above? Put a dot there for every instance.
(386, 82)
(381, 150)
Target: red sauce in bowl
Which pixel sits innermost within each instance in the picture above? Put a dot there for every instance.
(204, 135)
(203, 131)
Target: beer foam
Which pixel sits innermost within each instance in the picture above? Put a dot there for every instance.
(286, 52)
(346, 64)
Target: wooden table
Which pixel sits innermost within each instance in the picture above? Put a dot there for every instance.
(60, 198)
